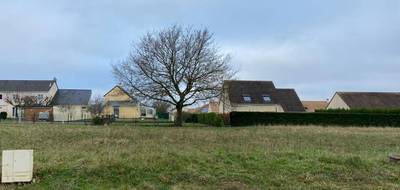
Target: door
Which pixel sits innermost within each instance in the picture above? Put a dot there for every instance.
(116, 111)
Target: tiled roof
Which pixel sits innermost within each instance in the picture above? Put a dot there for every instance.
(256, 90)
(26, 85)
(371, 100)
(72, 97)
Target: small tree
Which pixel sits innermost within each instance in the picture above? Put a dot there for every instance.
(161, 107)
(96, 106)
(177, 66)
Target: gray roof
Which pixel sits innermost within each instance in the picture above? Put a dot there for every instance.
(371, 100)
(72, 97)
(287, 98)
(26, 85)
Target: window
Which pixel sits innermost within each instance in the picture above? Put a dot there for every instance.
(1, 96)
(40, 97)
(266, 98)
(143, 112)
(246, 98)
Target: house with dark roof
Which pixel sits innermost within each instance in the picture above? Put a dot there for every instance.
(13, 90)
(46, 97)
(365, 100)
(71, 105)
(258, 96)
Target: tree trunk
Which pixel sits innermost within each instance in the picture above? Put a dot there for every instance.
(179, 116)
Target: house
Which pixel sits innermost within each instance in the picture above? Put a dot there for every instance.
(12, 90)
(120, 104)
(365, 100)
(71, 105)
(31, 99)
(257, 96)
(210, 107)
(311, 106)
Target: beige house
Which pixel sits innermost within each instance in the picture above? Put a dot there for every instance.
(71, 105)
(43, 90)
(365, 100)
(257, 96)
(120, 104)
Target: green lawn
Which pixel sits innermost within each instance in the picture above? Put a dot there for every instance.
(121, 157)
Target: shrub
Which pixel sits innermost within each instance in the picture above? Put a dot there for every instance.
(212, 119)
(97, 120)
(3, 115)
(162, 115)
(189, 117)
(341, 119)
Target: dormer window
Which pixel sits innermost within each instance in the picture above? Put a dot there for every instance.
(267, 98)
(246, 98)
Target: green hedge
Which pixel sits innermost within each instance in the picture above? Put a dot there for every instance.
(3, 115)
(340, 119)
(162, 115)
(376, 111)
(211, 119)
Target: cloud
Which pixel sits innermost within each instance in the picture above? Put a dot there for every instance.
(354, 52)
(317, 47)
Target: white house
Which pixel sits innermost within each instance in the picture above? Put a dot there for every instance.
(71, 105)
(12, 89)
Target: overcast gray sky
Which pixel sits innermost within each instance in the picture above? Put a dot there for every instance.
(317, 47)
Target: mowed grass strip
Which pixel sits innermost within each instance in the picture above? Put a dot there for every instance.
(279, 157)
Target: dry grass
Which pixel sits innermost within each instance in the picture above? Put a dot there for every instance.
(89, 157)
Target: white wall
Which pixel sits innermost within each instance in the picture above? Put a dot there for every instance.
(5, 107)
(70, 113)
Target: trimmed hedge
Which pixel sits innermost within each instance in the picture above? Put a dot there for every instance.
(211, 119)
(341, 119)
(376, 111)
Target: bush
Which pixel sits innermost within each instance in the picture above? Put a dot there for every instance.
(3, 115)
(212, 119)
(341, 119)
(189, 117)
(162, 115)
(98, 120)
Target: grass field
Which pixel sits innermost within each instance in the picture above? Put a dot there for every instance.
(90, 157)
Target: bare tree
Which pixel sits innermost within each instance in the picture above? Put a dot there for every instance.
(175, 65)
(161, 107)
(96, 106)
(20, 102)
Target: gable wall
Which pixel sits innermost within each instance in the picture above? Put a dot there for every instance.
(116, 94)
(337, 103)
